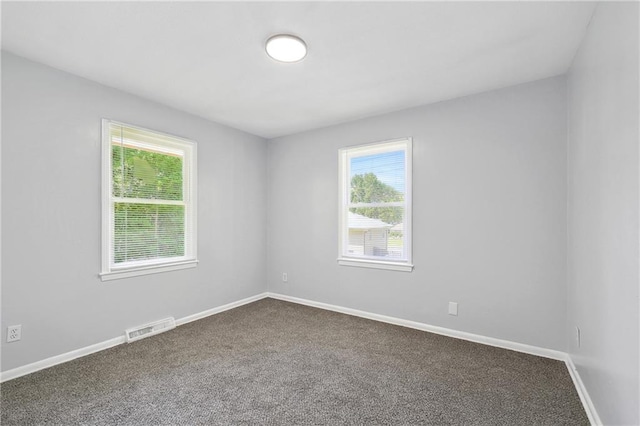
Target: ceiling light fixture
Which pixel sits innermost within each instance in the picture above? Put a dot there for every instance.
(286, 48)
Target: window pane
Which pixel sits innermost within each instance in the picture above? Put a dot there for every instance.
(378, 177)
(148, 231)
(376, 231)
(139, 173)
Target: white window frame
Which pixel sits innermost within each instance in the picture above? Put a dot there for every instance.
(344, 182)
(163, 143)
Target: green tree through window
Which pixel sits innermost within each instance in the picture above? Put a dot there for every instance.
(367, 188)
(147, 230)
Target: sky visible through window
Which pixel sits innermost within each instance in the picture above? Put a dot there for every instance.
(387, 166)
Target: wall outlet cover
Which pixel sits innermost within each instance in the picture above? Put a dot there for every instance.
(14, 333)
(453, 308)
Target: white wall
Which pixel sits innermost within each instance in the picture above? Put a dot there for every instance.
(603, 212)
(51, 215)
(489, 215)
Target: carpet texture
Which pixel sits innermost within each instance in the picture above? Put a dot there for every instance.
(273, 363)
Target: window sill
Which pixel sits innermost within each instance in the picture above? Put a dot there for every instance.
(375, 264)
(147, 270)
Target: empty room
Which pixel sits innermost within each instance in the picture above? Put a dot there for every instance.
(328, 213)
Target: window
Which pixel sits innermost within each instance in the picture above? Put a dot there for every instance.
(375, 205)
(148, 202)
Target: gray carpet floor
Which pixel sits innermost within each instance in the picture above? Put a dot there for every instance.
(278, 363)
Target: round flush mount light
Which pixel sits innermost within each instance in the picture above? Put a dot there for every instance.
(286, 48)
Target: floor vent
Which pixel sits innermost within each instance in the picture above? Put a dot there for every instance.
(137, 333)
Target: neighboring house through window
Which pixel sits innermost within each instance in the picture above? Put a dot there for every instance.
(375, 205)
(149, 201)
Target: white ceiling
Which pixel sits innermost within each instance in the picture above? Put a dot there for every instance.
(364, 58)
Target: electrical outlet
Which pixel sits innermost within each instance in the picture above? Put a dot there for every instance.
(285, 277)
(578, 336)
(453, 308)
(14, 333)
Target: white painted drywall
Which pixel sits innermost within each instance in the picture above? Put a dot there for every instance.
(51, 215)
(603, 212)
(489, 208)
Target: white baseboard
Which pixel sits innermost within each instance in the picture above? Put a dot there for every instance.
(59, 359)
(477, 338)
(219, 309)
(587, 403)
(77, 353)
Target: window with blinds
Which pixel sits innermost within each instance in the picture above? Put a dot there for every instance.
(375, 205)
(149, 205)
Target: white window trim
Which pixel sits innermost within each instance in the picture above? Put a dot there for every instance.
(344, 154)
(190, 260)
